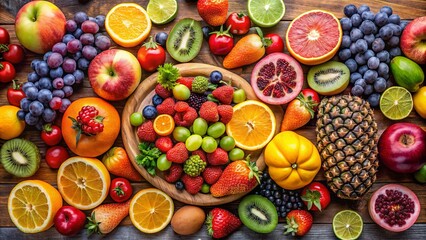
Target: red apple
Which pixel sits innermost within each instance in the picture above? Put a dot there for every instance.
(402, 147)
(114, 74)
(39, 25)
(413, 40)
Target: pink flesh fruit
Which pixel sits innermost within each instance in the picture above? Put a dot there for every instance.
(277, 79)
(394, 207)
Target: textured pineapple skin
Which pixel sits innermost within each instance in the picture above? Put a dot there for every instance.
(347, 142)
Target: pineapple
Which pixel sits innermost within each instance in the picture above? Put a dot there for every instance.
(347, 141)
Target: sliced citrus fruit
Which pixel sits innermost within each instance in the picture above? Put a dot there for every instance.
(164, 124)
(347, 225)
(162, 11)
(128, 24)
(252, 126)
(83, 182)
(32, 205)
(151, 210)
(396, 103)
(266, 13)
(314, 37)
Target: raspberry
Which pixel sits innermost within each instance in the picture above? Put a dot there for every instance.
(192, 184)
(178, 153)
(225, 113)
(195, 100)
(162, 92)
(181, 106)
(209, 112)
(186, 118)
(173, 173)
(88, 122)
(167, 107)
(218, 157)
(146, 132)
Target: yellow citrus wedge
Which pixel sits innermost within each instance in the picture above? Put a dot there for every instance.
(252, 126)
(128, 24)
(32, 205)
(151, 210)
(164, 124)
(83, 182)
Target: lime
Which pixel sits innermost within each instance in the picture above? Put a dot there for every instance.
(347, 225)
(396, 103)
(162, 11)
(266, 13)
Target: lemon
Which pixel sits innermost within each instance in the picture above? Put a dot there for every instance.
(162, 11)
(11, 126)
(347, 225)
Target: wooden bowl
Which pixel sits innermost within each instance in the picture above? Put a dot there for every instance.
(142, 97)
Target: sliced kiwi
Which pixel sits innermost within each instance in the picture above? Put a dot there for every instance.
(329, 78)
(20, 157)
(185, 40)
(258, 214)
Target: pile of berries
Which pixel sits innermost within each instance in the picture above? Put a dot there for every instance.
(89, 120)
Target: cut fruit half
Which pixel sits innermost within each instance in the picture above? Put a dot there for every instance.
(347, 225)
(396, 103)
(185, 40)
(162, 11)
(266, 13)
(252, 125)
(164, 124)
(314, 37)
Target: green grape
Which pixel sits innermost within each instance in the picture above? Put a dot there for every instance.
(193, 142)
(227, 143)
(162, 163)
(181, 92)
(239, 96)
(216, 130)
(205, 188)
(209, 144)
(136, 119)
(200, 126)
(180, 134)
(236, 154)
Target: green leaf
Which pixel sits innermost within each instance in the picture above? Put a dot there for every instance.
(167, 75)
(148, 157)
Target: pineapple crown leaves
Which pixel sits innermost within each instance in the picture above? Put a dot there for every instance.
(308, 103)
(254, 170)
(92, 226)
(291, 226)
(312, 198)
(167, 75)
(151, 44)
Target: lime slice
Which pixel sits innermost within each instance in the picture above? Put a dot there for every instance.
(347, 225)
(162, 11)
(266, 13)
(396, 103)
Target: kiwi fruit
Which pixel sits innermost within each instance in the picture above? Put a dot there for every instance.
(185, 40)
(258, 214)
(20, 157)
(329, 78)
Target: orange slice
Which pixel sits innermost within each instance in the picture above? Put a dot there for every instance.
(314, 37)
(151, 210)
(252, 125)
(164, 124)
(32, 205)
(128, 24)
(83, 182)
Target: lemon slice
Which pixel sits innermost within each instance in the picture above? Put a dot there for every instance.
(266, 13)
(347, 225)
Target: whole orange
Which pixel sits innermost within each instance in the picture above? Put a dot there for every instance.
(89, 145)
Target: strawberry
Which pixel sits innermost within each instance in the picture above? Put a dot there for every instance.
(146, 132)
(118, 163)
(220, 223)
(238, 177)
(298, 113)
(192, 184)
(181, 106)
(162, 92)
(164, 144)
(214, 13)
(200, 153)
(225, 113)
(209, 112)
(211, 174)
(299, 222)
(187, 81)
(178, 153)
(173, 173)
(224, 94)
(186, 118)
(167, 107)
(107, 217)
(218, 157)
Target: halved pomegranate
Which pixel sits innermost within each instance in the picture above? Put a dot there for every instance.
(277, 79)
(394, 207)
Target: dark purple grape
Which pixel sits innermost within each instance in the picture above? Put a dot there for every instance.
(102, 42)
(74, 46)
(357, 90)
(368, 27)
(361, 45)
(387, 10)
(79, 76)
(83, 64)
(344, 54)
(77, 56)
(381, 19)
(380, 85)
(69, 80)
(373, 63)
(351, 64)
(383, 69)
(77, 33)
(71, 26)
(368, 89)
(363, 8)
(58, 93)
(80, 17)
(32, 77)
(42, 69)
(69, 65)
(58, 83)
(34, 63)
(44, 96)
(56, 72)
(393, 42)
(21, 114)
(25, 104)
(67, 37)
(31, 93)
(100, 20)
(55, 60)
(161, 38)
(68, 91)
(356, 34)
(31, 120)
(374, 100)
(350, 10)
(346, 41)
(27, 85)
(386, 32)
(65, 103)
(36, 108)
(395, 19)
(90, 27)
(60, 48)
(378, 45)
(367, 15)
(45, 83)
(47, 55)
(89, 52)
(48, 115)
(87, 39)
(346, 24)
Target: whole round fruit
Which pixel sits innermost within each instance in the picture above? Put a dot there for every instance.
(11, 126)
(216, 130)
(188, 220)
(55, 156)
(163, 163)
(149, 112)
(199, 126)
(419, 101)
(239, 96)
(180, 134)
(277, 79)
(402, 147)
(181, 92)
(227, 143)
(420, 175)
(136, 119)
(394, 207)
(209, 144)
(193, 142)
(236, 154)
(407, 73)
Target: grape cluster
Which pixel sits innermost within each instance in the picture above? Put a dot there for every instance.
(50, 84)
(369, 42)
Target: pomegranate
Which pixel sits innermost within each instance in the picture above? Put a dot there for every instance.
(277, 79)
(394, 207)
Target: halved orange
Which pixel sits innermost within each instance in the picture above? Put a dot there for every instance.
(314, 37)
(164, 124)
(32, 205)
(83, 182)
(128, 24)
(252, 125)
(151, 210)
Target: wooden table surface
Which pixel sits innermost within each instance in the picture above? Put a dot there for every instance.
(322, 228)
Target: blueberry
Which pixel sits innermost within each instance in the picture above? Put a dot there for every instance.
(367, 15)
(387, 10)
(370, 76)
(368, 90)
(31, 93)
(344, 54)
(45, 83)
(374, 100)
(48, 115)
(368, 27)
(393, 42)
(383, 56)
(369, 38)
(403, 23)
(56, 72)
(42, 69)
(215, 77)
(25, 104)
(179, 185)
(357, 90)
(351, 64)
(397, 29)
(368, 54)
(363, 8)
(44, 96)
(69, 79)
(356, 20)
(346, 41)
(383, 69)
(79, 76)
(361, 45)
(356, 34)
(355, 76)
(378, 45)
(350, 10)
(161, 38)
(27, 85)
(353, 49)
(21, 114)
(149, 112)
(380, 85)
(386, 32)
(157, 100)
(36, 108)
(271, 198)
(381, 19)
(34, 63)
(206, 32)
(359, 59)
(30, 119)
(80, 17)
(373, 63)
(360, 82)
(100, 20)
(346, 24)
(362, 69)
(394, 18)
(393, 52)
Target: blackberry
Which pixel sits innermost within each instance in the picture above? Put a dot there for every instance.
(195, 100)
(284, 200)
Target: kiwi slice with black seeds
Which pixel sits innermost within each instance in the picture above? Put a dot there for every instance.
(329, 78)
(185, 40)
(20, 157)
(258, 214)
